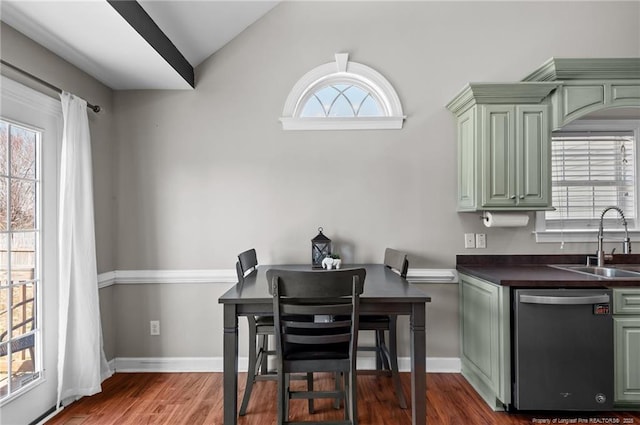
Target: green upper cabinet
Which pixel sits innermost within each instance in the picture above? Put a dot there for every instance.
(503, 146)
(504, 129)
(589, 85)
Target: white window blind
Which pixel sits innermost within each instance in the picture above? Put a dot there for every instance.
(591, 171)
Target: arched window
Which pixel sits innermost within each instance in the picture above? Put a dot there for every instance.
(342, 95)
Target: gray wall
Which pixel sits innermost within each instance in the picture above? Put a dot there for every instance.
(205, 174)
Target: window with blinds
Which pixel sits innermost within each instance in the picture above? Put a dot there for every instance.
(591, 171)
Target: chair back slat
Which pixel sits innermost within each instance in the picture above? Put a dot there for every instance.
(312, 284)
(397, 261)
(317, 340)
(316, 307)
(313, 309)
(247, 261)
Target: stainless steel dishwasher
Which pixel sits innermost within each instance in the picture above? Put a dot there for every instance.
(563, 349)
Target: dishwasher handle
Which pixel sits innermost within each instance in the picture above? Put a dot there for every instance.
(576, 300)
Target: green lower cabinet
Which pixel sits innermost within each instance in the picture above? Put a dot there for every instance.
(626, 321)
(486, 345)
(485, 340)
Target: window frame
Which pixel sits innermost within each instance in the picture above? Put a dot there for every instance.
(580, 235)
(36, 280)
(28, 107)
(342, 71)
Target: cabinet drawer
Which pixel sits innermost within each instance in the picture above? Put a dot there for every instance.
(626, 301)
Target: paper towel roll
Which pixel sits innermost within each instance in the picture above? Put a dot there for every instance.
(493, 219)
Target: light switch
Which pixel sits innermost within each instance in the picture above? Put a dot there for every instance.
(481, 240)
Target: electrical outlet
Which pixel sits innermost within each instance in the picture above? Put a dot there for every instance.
(481, 240)
(469, 240)
(154, 327)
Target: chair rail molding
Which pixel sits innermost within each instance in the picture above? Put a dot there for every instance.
(228, 276)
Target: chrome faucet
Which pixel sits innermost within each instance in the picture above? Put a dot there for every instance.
(626, 244)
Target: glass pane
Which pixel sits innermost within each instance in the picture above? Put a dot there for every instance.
(4, 260)
(326, 96)
(355, 95)
(342, 87)
(3, 202)
(23, 153)
(4, 369)
(341, 108)
(4, 143)
(313, 108)
(4, 314)
(22, 364)
(23, 310)
(370, 108)
(23, 204)
(23, 256)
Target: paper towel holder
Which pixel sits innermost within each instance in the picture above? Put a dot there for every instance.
(489, 219)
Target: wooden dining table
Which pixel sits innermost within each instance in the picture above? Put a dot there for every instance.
(385, 292)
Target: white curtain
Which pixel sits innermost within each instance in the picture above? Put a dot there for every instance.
(82, 365)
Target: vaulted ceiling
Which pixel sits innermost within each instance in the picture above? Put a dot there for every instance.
(128, 45)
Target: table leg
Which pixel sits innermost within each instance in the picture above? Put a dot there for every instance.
(418, 369)
(230, 367)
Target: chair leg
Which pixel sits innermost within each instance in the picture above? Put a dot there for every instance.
(346, 395)
(283, 411)
(287, 395)
(251, 367)
(336, 401)
(353, 400)
(382, 362)
(264, 348)
(310, 388)
(393, 359)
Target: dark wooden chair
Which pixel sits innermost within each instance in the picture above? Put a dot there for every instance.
(260, 327)
(316, 330)
(387, 355)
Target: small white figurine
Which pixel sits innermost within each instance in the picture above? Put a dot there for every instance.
(327, 263)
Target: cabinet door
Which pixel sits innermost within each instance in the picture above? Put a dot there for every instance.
(533, 156)
(467, 167)
(498, 156)
(627, 359)
(485, 341)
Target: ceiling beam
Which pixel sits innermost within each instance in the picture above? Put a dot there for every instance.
(139, 20)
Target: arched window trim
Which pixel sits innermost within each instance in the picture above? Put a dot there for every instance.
(342, 71)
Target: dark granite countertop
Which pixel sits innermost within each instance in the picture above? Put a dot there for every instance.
(536, 270)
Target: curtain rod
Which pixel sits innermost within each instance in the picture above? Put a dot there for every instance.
(94, 108)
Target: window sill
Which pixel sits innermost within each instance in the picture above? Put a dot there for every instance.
(337, 123)
(581, 236)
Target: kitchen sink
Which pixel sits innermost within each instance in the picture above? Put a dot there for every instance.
(606, 272)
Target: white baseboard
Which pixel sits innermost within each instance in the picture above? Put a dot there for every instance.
(170, 364)
(215, 364)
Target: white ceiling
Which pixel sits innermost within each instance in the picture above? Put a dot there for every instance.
(91, 35)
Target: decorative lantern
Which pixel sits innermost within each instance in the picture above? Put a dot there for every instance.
(320, 248)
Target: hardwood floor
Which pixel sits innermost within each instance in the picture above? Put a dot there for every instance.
(196, 398)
